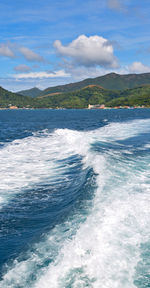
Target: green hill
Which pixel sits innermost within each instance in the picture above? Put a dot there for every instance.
(110, 81)
(97, 95)
(78, 99)
(33, 92)
(8, 99)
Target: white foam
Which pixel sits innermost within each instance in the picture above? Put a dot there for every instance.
(28, 162)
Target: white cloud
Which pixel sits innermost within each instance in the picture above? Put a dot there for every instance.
(138, 67)
(6, 51)
(22, 68)
(89, 51)
(30, 55)
(41, 75)
(81, 72)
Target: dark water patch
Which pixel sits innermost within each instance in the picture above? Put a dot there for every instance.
(101, 147)
(137, 141)
(32, 213)
(131, 147)
(143, 268)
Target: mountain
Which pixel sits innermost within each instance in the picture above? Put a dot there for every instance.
(8, 99)
(33, 92)
(110, 81)
(91, 94)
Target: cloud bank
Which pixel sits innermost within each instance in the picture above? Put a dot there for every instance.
(138, 67)
(41, 75)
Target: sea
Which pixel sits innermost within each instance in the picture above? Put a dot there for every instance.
(75, 198)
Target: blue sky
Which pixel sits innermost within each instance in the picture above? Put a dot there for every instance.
(46, 43)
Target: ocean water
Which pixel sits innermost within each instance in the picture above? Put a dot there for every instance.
(75, 198)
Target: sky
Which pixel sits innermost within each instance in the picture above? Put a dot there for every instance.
(48, 43)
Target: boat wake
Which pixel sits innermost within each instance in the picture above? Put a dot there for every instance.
(86, 197)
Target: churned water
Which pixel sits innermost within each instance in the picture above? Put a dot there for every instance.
(75, 198)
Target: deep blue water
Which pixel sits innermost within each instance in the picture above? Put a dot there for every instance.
(74, 198)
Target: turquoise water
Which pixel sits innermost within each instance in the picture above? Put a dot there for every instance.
(75, 198)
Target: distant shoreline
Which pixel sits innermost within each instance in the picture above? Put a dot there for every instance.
(110, 108)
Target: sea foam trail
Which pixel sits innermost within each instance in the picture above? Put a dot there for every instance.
(106, 248)
(32, 161)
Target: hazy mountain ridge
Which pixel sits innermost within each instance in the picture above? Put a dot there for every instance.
(110, 81)
(33, 92)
